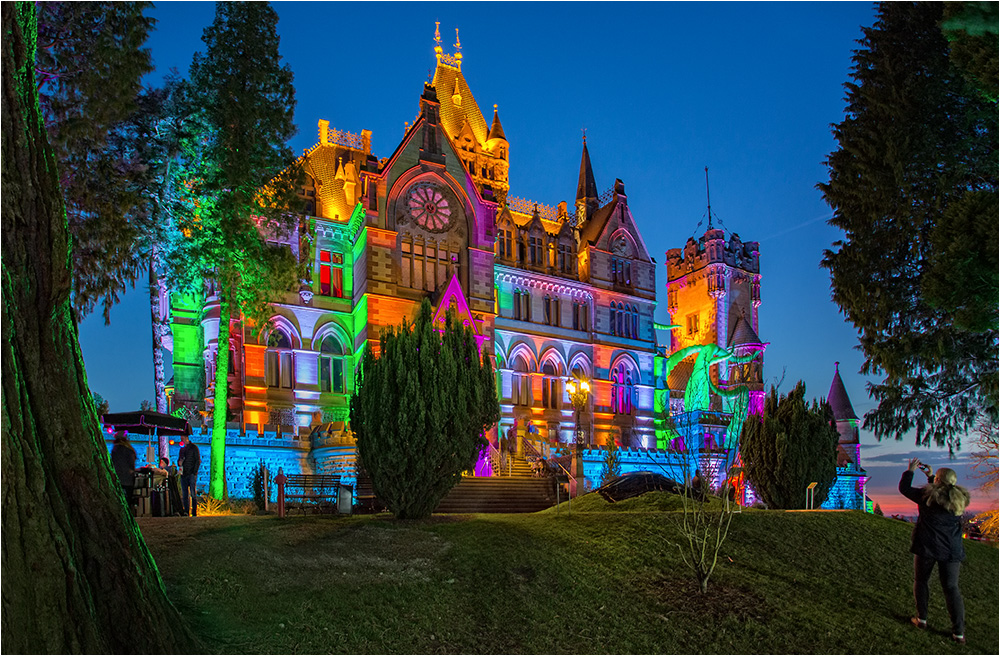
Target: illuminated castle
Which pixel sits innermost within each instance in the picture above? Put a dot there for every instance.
(552, 292)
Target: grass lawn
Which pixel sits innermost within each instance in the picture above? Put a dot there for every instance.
(594, 581)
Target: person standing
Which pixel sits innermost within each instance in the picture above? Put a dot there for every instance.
(123, 460)
(189, 460)
(937, 539)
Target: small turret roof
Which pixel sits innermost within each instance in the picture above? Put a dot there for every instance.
(743, 334)
(838, 399)
(496, 132)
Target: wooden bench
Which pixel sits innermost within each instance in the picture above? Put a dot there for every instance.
(315, 488)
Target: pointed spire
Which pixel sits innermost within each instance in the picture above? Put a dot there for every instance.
(496, 132)
(586, 187)
(838, 399)
(456, 97)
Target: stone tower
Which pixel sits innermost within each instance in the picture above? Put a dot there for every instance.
(713, 293)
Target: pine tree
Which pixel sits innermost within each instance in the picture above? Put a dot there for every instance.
(239, 185)
(790, 446)
(914, 186)
(612, 465)
(76, 573)
(421, 411)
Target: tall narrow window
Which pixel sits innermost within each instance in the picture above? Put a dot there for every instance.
(279, 361)
(621, 320)
(622, 390)
(331, 366)
(613, 319)
(331, 274)
(551, 390)
(547, 309)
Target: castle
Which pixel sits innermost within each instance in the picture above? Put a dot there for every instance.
(554, 292)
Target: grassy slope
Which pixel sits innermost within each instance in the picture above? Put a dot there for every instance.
(586, 582)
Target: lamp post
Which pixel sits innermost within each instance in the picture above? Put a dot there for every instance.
(578, 390)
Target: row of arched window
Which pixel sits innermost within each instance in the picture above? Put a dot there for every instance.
(624, 320)
(623, 382)
(279, 363)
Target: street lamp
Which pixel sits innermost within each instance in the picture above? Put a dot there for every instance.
(578, 390)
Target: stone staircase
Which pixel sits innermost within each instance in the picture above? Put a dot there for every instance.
(517, 493)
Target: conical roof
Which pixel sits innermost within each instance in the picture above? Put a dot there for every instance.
(496, 132)
(743, 334)
(838, 399)
(587, 186)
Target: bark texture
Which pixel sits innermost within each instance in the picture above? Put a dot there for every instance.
(76, 573)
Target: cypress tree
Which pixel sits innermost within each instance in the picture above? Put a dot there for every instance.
(421, 411)
(790, 446)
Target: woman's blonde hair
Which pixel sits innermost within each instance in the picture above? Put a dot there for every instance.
(944, 492)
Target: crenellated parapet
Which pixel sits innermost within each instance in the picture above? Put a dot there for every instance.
(713, 249)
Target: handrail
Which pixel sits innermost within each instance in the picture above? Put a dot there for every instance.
(495, 459)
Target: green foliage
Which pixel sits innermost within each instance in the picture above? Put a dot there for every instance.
(878, 510)
(237, 199)
(420, 412)
(971, 29)
(145, 405)
(914, 174)
(612, 465)
(790, 446)
(101, 404)
(89, 65)
(962, 276)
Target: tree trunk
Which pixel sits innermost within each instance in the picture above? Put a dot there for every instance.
(76, 574)
(217, 473)
(159, 327)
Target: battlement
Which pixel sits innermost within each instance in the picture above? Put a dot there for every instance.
(713, 248)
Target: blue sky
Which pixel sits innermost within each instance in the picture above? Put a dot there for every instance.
(663, 90)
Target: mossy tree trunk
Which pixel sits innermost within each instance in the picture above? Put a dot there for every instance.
(76, 573)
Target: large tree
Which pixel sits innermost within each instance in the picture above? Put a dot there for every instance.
(421, 411)
(91, 57)
(239, 185)
(76, 574)
(791, 445)
(913, 185)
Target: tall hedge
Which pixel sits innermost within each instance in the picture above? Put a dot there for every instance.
(421, 412)
(790, 446)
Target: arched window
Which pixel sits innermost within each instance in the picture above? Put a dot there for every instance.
(520, 383)
(331, 365)
(613, 324)
(279, 363)
(622, 389)
(621, 320)
(551, 390)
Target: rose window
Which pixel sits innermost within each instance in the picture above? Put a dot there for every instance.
(429, 208)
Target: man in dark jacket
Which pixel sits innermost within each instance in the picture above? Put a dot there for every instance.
(189, 461)
(123, 460)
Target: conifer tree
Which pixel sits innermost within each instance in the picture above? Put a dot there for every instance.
(420, 412)
(76, 574)
(612, 465)
(239, 185)
(790, 446)
(913, 185)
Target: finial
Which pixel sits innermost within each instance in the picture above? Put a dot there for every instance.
(584, 135)
(494, 108)
(709, 198)
(437, 32)
(836, 367)
(458, 44)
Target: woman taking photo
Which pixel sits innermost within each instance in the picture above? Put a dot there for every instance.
(937, 538)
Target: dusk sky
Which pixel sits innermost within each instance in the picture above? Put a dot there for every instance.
(663, 90)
